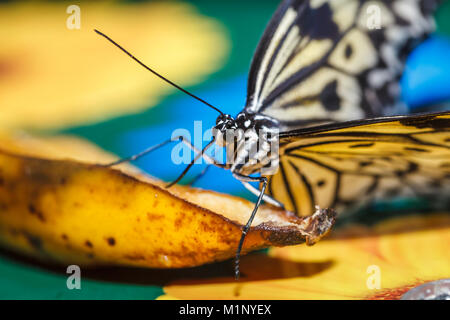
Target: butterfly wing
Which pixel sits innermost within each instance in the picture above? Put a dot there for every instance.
(345, 165)
(321, 61)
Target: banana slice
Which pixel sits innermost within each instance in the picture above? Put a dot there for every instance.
(79, 212)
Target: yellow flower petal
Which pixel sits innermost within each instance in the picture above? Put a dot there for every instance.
(407, 251)
(51, 76)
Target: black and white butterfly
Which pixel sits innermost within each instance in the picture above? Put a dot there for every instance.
(319, 67)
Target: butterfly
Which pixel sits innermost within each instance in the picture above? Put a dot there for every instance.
(318, 128)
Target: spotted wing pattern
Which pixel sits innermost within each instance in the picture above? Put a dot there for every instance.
(321, 61)
(349, 164)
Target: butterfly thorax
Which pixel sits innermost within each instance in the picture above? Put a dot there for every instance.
(251, 142)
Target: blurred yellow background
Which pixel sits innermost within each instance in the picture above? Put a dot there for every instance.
(52, 76)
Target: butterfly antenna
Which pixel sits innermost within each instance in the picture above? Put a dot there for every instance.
(156, 73)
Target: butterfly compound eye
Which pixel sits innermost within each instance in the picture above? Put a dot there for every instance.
(220, 119)
(223, 118)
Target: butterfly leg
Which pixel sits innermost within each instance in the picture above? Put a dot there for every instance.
(266, 197)
(200, 175)
(206, 157)
(244, 178)
(140, 154)
(201, 154)
(198, 156)
(160, 145)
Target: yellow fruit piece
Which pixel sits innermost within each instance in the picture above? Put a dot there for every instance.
(81, 212)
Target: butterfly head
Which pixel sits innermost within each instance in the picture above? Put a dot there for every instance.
(224, 124)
